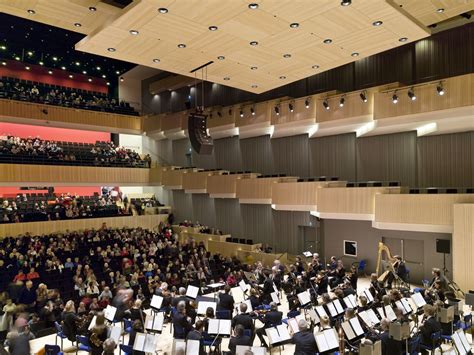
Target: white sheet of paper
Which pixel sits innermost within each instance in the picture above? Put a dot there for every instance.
(275, 288)
(464, 340)
(373, 316)
(390, 313)
(192, 292)
(293, 323)
(203, 305)
(115, 333)
(150, 343)
(365, 318)
(406, 304)
(380, 312)
(179, 346)
(401, 307)
(109, 313)
(332, 338)
(356, 326)
(348, 331)
(332, 309)
(243, 286)
(216, 285)
(275, 297)
(321, 342)
(155, 322)
(238, 294)
(139, 343)
(219, 326)
(369, 296)
(283, 331)
(92, 324)
(256, 350)
(418, 299)
(338, 306)
(458, 344)
(304, 298)
(321, 311)
(314, 316)
(350, 301)
(192, 347)
(156, 302)
(308, 254)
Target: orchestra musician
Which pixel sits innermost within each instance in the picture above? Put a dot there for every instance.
(305, 343)
(390, 346)
(429, 325)
(270, 319)
(441, 279)
(399, 269)
(225, 301)
(182, 324)
(239, 338)
(244, 319)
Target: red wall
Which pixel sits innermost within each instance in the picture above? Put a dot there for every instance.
(16, 69)
(52, 133)
(79, 190)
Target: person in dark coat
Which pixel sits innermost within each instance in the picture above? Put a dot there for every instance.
(244, 319)
(305, 343)
(271, 318)
(70, 319)
(239, 339)
(181, 322)
(430, 325)
(196, 334)
(226, 301)
(390, 346)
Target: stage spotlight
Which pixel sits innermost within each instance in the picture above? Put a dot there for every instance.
(411, 94)
(346, 2)
(395, 98)
(440, 89)
(363, 96)
(341, 102)
(290, 107)
(252, 111)
(326, 104)
(219, 113)
(230, 112)
(306, 103)
(121, 79)
(277, 110)
(241, 113)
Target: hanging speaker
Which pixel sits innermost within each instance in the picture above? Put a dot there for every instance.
(197, 129)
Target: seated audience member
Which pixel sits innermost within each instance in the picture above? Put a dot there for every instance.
(239, 339)
(70, 320)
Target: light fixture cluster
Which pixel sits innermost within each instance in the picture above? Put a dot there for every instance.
(342, 100)
(412, 95)
(241, 112)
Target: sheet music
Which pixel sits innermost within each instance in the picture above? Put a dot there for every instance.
(418, 299)
(216, 285)
(203, 305)
(115, 333)
(458, 344)
(348, 330)
(380, 312)
(321, 342)
(338, 305)
(390, 313)
(401, 307)
(109, 313)
(275, 297)
(275, 288)
(464, 340)
(293, 323)
(192, 292)
(304, 298)
(366, 318)
(150, 343)
(356, 326)
(369, 296)
(139, 343)
(332, 338)
(373, 317)
(256, 350)
(314, 316)
(192, 347)
(92, 324)
(219, 326)
(278, 334)
(307, 254)
(243, 286)
(332, 309)
(350, 301)
(156, 302)
(179, 346)
(238, 294)
(155, 322)
(321, 311)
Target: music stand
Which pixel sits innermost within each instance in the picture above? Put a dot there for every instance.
(400, 331)
(370, 349)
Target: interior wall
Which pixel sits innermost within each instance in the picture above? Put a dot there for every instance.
(367, 238)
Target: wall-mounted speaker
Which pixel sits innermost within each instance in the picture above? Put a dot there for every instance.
(197, 128)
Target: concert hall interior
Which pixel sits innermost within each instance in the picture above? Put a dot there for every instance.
(241, 177)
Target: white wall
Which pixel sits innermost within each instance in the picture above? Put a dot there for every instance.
(131, 141)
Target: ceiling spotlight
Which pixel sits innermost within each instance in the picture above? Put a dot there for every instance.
(241, 113)
(104, 76)
(121, 79)
(294, 25)
(403, 39)
(254, 86)
(286, 55)
(440, 89)
(117, 72)
(254, 43)
(440, 10)
(4, 63)
(108, 83)
(230, 112)
(84, 72)
(219, 113)
(327, 41)
(221, 57)
(40, 63)
(63, 68)
(395, 98)
(355, 54)
(282, 77)
(306, 103)
(31, 12)
(89, 80)
(341, 102)
(98, 68)
(363, 96)
(253, 68)
(3, 48)
(77, 63)
(181, 45)
(77, 24)
(134, 32)
(315, 66)
(253, 6)
(290, 107)
(377, 23)
(226, 78)
(212, 28)
(111, 49)
(252, 111)
(277, 110)
(50, 72)
(326, 104)
(163, 10)
(156, 60)
(411, 94)
(29, 53)
(346, 2)
(17, 58)
(55, 59)
(70, 76)
(92, 8)
(27, 68)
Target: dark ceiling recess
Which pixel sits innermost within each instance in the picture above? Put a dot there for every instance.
(53, 47)
(118, 3)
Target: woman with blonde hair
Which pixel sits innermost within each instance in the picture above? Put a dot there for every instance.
(70, 319)
(98, 335)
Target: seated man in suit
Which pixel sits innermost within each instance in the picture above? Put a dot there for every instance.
(239, 339)
(430, 325)
(270, 319)
(226, 301)
(244, 319)
(304, 340)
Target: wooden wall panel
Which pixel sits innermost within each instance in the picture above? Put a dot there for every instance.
(262, 114)
(300, 113)
(257, 190)
(463, 246)
(333, 156)
(446, 160)
(26, 112)
(390, 157)
(40, 228)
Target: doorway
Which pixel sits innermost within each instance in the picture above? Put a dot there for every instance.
(310, 239)
(412, 251)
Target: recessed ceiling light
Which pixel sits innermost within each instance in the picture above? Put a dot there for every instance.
(156, 60)
(92, 8)
(98, 68)
(27, 68)
(40, 63)
(440, 10)
(287, 55)
(134, 32)
(315, 66)
(163, 10)
(89, 80)
(108, 84)
(226, 78)
(17, 58)
(3, 48)
(84, 72)
(327, 41)
(70, 76)
(31, 12)
(181, 45)
(121, 79)
(212, 28)
(221, 57)
(346, 2)
(253, 68)
(111, 49)
(294, 25)
(77, 63)
(377, 23)
(403, 39)
(117, 72)
(77, 24)
(30, 53)
(253, 6)
(355, 54)
(63, 68)
(50, 72)
(282, 77)
(254, 86)
(4, 63)
(254, 43)
(104, 76)
(55, 59)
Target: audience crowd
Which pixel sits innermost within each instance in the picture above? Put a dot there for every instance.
(36, 150)
(23, 90)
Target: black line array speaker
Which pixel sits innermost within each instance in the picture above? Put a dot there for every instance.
(443, 246)
(197, 128)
